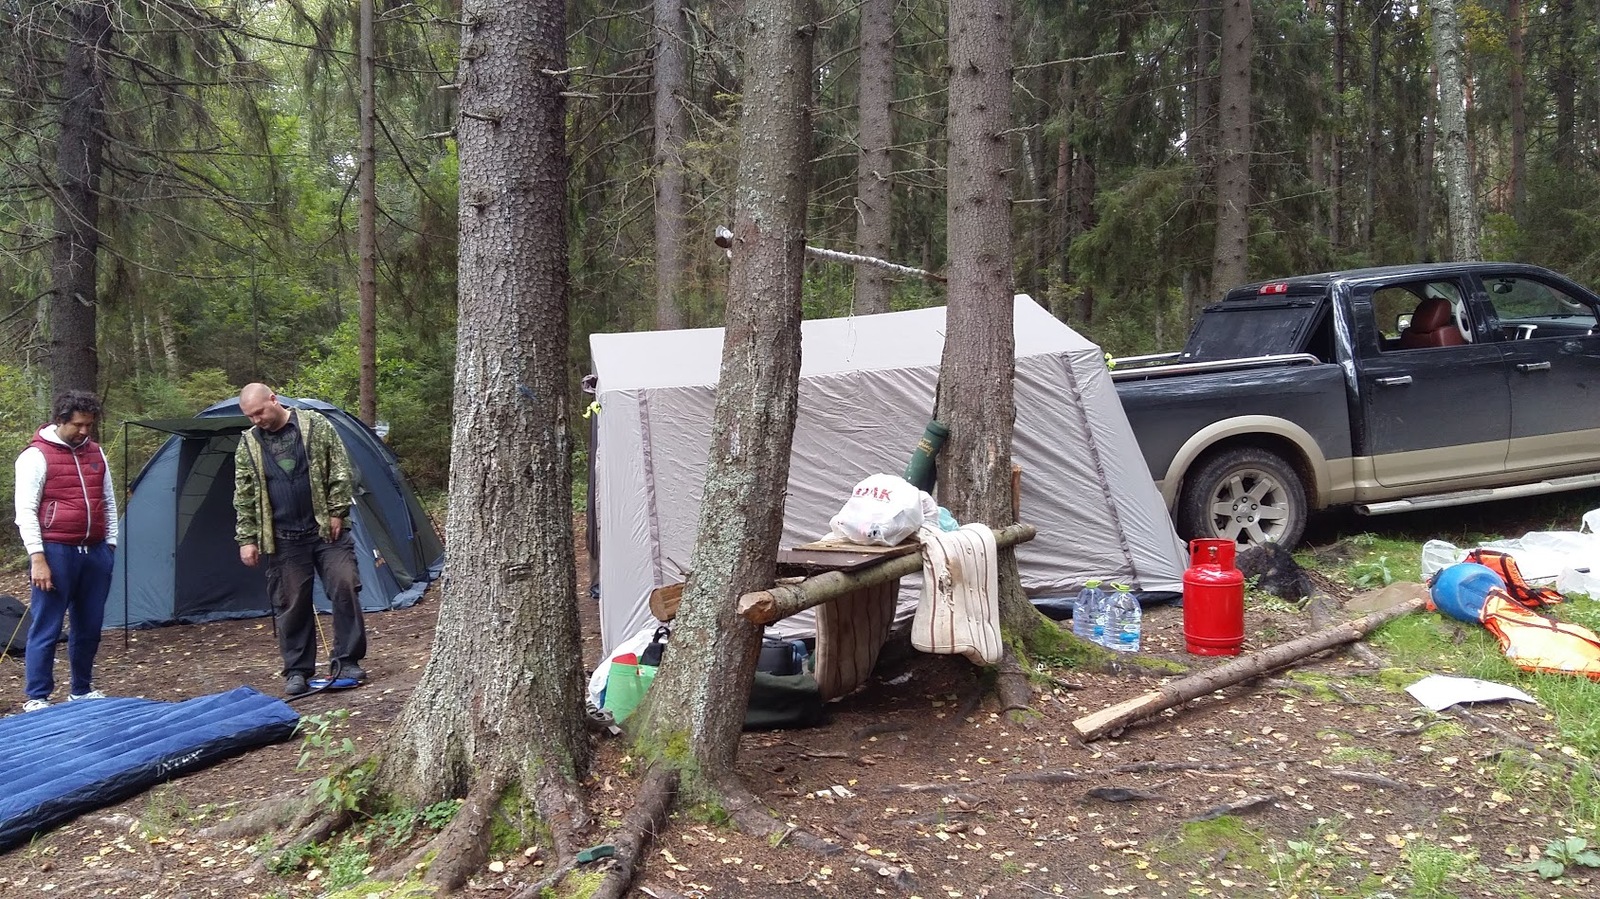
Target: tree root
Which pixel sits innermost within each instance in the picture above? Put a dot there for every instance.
(646, 818)
(269, 815)
(463, 846)
(1014, 690)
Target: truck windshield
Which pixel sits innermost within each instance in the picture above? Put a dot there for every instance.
(1234, 332)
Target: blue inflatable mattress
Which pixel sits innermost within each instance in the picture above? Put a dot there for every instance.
(72, 757)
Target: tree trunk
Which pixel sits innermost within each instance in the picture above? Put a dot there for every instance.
(1519, 109)
(874, 166)
(1563, 79)
(367, 226)
(975, 395)
(699, 697)
(74, 362)
(499, 709)
(1202, 136)
(1424, 178)
(671, 127)
(1341, 42)
(1369, 193)
(1447, 51)
(1230, 259)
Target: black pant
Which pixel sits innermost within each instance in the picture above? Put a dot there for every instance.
(290, 571)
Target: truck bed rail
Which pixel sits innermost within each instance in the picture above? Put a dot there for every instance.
(1147, 367)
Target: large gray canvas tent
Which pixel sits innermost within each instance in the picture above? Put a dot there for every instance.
(177, 561)
(866, 393)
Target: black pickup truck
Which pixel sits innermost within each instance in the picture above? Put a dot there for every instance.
(1387, 389)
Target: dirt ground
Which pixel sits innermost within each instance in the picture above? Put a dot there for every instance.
(1329, 783)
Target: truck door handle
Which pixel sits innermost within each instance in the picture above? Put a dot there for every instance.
(1533, 366)
(1397, 381)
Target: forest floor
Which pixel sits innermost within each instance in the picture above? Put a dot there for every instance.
(1327, 780)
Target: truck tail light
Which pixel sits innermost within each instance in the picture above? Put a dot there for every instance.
(1275, 287)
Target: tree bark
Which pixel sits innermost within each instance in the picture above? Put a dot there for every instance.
(1447, 50)
(1519, 109)
(1202, 137)
(975, 393)
(671, 128)
(1341, 42)
(1369, 193)
(367, 226)
(874, 165)
(1230, 258)
(699, 697)
(74, 271)
(498, 713)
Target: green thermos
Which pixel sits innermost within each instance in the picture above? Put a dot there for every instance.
(920, 470)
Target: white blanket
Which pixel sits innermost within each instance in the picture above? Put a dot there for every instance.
(960, 607)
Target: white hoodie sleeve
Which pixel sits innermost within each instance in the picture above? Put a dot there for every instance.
(30, 486)
(111, 502)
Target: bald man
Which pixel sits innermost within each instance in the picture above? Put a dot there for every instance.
(291, 501)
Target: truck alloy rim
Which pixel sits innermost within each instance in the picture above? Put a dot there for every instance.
(1250, 506)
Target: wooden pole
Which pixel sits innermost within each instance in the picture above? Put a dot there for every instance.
(1097, 725)
(766, 606)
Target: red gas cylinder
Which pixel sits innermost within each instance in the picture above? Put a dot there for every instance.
(1213, 600)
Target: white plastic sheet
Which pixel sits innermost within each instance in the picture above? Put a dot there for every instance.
(1566, 560)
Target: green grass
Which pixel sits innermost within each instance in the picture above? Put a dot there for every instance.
(1437, 872)
(1428, 642)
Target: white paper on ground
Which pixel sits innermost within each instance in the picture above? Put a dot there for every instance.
(1439, 691)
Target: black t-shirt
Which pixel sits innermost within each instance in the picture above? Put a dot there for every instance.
(288, 476)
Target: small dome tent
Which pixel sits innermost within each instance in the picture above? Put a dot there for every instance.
(177, 561)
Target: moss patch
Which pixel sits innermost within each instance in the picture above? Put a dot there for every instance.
(1201, 842)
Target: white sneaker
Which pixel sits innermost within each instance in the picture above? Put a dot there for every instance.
(92, 694)
(34, 705)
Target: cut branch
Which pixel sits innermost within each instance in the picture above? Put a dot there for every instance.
(1097, 725)
(767, 606)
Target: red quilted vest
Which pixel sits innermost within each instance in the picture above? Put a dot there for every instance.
(72, 508)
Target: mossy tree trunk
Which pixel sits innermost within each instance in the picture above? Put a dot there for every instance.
(699, 697)
(498, 715)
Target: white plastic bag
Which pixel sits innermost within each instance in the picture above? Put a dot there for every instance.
(1437, 554)
(882, 510)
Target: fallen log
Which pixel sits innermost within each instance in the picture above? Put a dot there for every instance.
(1097, 725)
(767, 606)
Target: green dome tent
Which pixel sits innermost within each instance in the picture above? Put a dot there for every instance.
(177, 561)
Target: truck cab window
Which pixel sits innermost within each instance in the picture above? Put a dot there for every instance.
(1529, 309)
(1420, 315)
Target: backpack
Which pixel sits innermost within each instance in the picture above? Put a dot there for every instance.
(1517, 588)
(14, 624)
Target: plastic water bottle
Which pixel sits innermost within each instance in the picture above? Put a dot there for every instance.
(1089, 612)
(1125, 619)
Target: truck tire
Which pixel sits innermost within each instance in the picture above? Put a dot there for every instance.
(1247, 494)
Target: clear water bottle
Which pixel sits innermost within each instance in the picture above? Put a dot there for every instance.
(1089, 612)
(1125, 619)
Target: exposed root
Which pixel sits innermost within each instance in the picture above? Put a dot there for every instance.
(751, 817)
(463, 846)
(1014, 690)
(271, 814)
(645, 819)
(311, 826)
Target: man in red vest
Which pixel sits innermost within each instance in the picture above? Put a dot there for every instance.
(67, 513)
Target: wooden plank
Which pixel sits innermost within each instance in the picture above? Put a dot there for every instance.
(907, 545)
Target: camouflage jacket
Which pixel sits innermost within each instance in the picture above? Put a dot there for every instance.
(331, 481)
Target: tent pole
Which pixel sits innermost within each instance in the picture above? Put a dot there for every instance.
(127, 554)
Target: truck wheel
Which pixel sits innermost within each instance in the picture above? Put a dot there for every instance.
(1247, 495)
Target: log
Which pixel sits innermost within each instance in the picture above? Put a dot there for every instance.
(764, 607)
(1097, 725)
